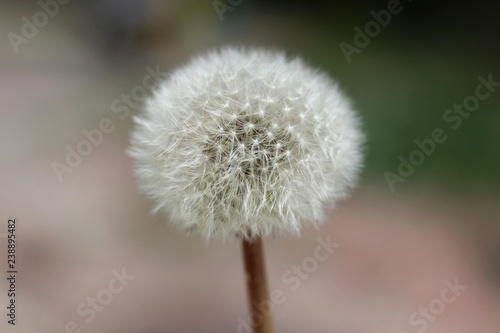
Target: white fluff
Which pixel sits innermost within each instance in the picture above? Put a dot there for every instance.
(246, 142)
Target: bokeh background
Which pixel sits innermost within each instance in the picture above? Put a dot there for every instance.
(397, 247)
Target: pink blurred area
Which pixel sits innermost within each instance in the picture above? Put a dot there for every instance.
(396, 249)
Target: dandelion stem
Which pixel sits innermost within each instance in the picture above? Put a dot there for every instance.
(255, 272)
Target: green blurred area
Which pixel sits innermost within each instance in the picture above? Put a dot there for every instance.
(403, 94)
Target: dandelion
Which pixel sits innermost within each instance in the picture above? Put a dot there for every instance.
(250, 141)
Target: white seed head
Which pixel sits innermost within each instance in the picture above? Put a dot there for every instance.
(214, 162)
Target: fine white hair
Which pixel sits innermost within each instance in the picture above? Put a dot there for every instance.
(246, 142)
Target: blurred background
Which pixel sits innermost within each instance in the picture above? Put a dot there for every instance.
(65, 66)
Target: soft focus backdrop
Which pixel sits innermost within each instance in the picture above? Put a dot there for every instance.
(417, 224)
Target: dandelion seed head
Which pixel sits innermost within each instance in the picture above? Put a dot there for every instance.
(250, 141)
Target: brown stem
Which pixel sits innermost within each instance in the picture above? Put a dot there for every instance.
(255, 272)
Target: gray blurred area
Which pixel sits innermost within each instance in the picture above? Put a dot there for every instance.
(92, 259)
